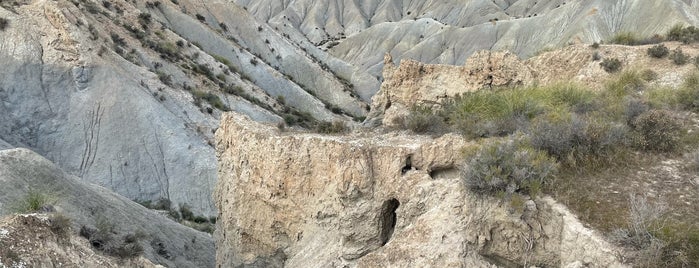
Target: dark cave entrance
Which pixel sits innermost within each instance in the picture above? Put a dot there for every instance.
(388, 219)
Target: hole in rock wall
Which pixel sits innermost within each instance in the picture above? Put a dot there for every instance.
(408, 165)
(388, 219)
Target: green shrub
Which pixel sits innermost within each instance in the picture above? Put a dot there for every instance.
(577, 139)
(657, 130)
(223, 60)
(625, 38)
(336, 126)
(658, 51)
(34, 201)
(688, 93)
(3, 24)
(501, 112)
(626, 83)
(684, 34)
(611, 65)
(678, 57)
(508, 167)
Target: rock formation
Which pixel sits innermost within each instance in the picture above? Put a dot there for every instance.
(366, 200)
(31, 241)
(165, 242)
(126, 94)
(414, 83)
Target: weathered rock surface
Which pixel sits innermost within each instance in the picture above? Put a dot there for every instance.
(166, 242)
(30, 241)
(306, 200)
(415, 83)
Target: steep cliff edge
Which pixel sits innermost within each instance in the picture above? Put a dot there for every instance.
(376, 200)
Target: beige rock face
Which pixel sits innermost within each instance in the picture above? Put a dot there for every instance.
(392, 200)
(415, 83)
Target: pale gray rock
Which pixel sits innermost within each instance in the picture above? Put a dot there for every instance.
(22, 170)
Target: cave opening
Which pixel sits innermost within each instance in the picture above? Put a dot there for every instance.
(388, 219)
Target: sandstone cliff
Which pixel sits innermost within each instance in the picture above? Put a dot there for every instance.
(367, 200)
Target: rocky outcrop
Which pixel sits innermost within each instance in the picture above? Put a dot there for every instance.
(164, 241)
(31, 240)
(414, 83)
(367, 200)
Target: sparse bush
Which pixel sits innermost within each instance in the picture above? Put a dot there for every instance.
(658, 51)
(634, 108)
(657, 130)
(576, 139)
(688, 93)
(253, 61)
(186, 212)
(221, 59)
(200, 17)
(4, 23)
(103, 239)
(34, 201)
(628, 82)
(165, 78)
(684, 34)
(631, 39)
(644, 220)
(423, 120)
(212, 99)
(336, 126)
(508, 167)
(167, 50)
(611, 65)
(625, 38)
(596, 56)
(144, 19)
(678, 57)
(595, 45)
(117, 40)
